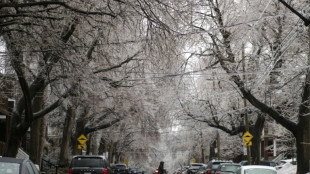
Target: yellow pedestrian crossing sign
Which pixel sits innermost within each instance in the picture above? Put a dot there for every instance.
(82, 139)
(82, 146)
(249, 143)
(247, 136)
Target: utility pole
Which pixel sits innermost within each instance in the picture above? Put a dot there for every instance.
(202, 150)
(218, 145)
(246, 119)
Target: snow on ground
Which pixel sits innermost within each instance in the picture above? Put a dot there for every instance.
(288, 169)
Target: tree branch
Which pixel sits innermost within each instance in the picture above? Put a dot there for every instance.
(46, 3)
(56, 104)
(119, 65)
(306, 21)
(88, 130)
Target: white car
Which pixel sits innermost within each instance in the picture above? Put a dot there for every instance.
(285, 162)
(257, 169)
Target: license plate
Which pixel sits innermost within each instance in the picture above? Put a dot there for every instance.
(87, 172)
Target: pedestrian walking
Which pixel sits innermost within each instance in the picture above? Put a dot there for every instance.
(161, 168)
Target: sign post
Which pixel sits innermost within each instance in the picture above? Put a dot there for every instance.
(126, 161)
(82, 140)
(193, 160)
(247, 138)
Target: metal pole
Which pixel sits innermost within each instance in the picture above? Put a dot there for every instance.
(218, 144)
(245, 105)
(202, 151)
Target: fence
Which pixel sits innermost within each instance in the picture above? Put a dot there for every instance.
(47, 166)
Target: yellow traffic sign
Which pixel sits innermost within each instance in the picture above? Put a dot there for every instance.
(193, 160)
(82, 146)
(247, 136)
(248, 143)
(126, 161)
(82, 139)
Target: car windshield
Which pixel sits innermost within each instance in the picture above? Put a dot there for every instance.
(273, 164)
(215, 166)
(259, 171)
(87, 162)
(229, 168)
(195, 166)
(268, 163)
(202, 168)
(9, 168)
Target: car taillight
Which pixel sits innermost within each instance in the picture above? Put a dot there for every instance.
(105, 171)
(135, 171)
(217, 172)
(70, 170)
(209, 172)
(156, 171)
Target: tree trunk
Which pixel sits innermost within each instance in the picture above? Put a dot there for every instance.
(303, 134)
(89, 143)
(43, 136)
(35, 134)
(303, 145)
(66, 137)
(79, 129)
(95, 145)
(256, 131)
(102, 147)
(14, 140)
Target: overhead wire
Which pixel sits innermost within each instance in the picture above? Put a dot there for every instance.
(276, 56)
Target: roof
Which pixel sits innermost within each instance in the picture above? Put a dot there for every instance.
(258, 166)
(198, 164)
(89, 156)
(11, 160)
(232, 164)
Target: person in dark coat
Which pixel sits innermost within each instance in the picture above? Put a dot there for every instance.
(161, 168)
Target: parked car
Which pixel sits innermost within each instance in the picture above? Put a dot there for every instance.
(285, 162)
(194, 167)
(202, 170)
(92, 164)
(257, 169)
(214, 164)
(228, 168)
(17, 166)
(120, 169)
(263, 163)
(244, 163)
(135, 170)
(268, 163)
(184, 169)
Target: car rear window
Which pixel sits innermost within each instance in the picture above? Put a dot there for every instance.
(87, 162)
(121, 166)
(259, 171)
(229, 168)
(215, 166)
(9, 168)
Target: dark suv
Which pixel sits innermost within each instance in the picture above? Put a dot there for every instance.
(89, 164)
